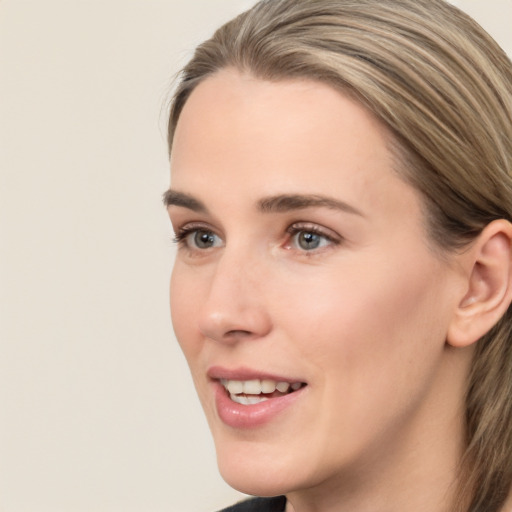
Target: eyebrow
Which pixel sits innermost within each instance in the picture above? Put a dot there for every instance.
(175, 198)
(289, 202)
(275, 204)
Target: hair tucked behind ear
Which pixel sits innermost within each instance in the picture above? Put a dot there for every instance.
(443, 87)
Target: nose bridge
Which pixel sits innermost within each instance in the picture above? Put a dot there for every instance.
(235, 303)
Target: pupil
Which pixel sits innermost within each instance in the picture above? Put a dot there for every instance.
(204, 239)
(309, 240)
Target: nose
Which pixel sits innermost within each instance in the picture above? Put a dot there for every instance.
(234, 308)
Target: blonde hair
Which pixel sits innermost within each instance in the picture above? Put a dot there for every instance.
(443, 87)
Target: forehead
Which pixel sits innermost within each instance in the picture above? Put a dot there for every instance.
(230, 91)
(240, 139)
(231, 116)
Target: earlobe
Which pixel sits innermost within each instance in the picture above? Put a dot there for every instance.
(489, 285)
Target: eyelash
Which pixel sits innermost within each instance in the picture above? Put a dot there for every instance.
(297, 228)
(182, 233)
(293, 230)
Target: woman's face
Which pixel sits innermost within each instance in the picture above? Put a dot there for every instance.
(303, 264)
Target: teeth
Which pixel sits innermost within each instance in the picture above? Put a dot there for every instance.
(283, 387)
(248, 400)
(268, 386)
(235, 387)
(252, 387)
(257, 387)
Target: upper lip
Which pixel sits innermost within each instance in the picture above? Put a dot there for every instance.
(244, 373)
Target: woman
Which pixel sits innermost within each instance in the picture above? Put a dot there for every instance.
(341, 195)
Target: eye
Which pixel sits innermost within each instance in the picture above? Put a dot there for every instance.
(310, 238)
(202, 239)
(308, 241)
(198, 238)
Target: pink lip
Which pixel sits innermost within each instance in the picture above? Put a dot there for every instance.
(243, 373)
(240, 416)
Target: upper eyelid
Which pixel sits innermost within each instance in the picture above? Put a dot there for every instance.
(193, 226)
(315, 228)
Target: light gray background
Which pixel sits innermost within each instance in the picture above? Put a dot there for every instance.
(97, 410)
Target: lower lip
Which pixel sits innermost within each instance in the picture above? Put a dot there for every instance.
(240, 416)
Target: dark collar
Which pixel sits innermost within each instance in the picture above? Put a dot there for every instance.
(276, 504)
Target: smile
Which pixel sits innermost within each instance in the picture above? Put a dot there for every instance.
(255, 391)
(248, 398)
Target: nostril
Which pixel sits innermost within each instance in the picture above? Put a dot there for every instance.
(238, 333)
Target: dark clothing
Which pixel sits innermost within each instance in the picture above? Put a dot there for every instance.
(277, 504)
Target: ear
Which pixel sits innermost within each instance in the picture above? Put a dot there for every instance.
(489, 285)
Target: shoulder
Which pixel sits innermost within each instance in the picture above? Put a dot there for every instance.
(276, 504)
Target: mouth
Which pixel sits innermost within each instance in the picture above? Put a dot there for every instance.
(255, 391)
(247, 398)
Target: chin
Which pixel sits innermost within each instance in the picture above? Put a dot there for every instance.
(255, 483)
(258, 472)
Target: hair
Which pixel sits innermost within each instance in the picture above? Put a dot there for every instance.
(443, 88)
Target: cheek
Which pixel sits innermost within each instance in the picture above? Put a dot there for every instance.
(372, 346)
(370, 323)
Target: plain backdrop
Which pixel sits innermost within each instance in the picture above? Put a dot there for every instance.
(97, 409)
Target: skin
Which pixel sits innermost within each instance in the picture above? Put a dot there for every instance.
(362, 319)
